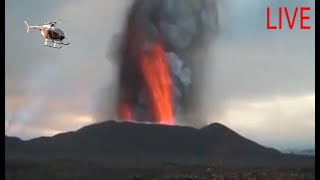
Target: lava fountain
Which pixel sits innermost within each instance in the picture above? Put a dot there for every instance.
(157, 56)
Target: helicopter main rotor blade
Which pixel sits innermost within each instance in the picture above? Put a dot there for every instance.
(56, 22)
(63, 21)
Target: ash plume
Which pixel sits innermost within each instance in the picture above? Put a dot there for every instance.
(173, 35)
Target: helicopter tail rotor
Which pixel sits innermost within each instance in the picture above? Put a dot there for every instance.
(27, 25)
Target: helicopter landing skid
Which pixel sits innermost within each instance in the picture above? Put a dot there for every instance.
(46, 43)
(57, 47)
(65, 44)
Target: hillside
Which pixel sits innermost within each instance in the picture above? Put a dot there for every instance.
(115, 144)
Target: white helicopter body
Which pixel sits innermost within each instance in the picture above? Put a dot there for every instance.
(51, 33)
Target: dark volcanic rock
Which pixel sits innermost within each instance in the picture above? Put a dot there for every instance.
(146, 145)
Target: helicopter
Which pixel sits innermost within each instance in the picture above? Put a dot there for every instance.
(52, 34)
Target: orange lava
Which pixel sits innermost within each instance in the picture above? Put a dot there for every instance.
(125, 112)
(153, 76)
(157, 81)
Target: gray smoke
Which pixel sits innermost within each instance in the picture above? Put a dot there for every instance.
(186, 29)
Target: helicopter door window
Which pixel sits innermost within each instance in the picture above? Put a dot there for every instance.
(53, 34)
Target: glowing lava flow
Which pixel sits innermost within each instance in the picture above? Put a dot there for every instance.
(125, 112)
(157, 81)
(148, 70)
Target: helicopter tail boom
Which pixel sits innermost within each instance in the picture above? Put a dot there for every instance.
(32, 27)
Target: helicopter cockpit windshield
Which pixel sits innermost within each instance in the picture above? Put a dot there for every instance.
(61, 32)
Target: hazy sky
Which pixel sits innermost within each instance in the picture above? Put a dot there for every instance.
(262, 80)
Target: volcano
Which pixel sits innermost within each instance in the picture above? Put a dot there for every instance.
(127, 144)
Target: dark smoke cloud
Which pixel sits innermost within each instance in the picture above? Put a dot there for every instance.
(186, 29)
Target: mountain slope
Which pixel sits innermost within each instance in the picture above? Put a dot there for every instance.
(130, 145)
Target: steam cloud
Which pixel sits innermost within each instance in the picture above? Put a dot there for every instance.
(186, 29)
